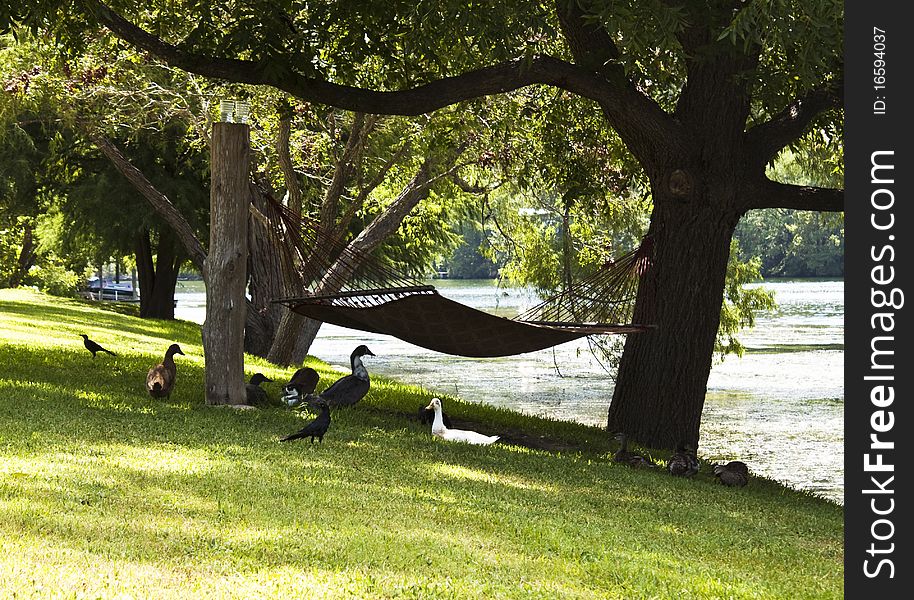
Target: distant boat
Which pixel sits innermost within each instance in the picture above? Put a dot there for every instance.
(119, 291)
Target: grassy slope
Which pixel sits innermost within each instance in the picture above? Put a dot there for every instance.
(104, 492)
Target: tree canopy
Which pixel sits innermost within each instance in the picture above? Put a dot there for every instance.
(702, 96)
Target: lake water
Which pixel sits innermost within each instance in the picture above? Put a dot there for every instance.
(779, 408)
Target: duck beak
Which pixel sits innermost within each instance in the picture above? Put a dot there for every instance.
(430, 406)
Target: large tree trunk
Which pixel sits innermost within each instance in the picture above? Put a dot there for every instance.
(663, 374)
(226, 265)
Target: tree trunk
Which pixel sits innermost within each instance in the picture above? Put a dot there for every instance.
(663, 374)
(226, 265)
(161, 303)
(145, 268)
(158, 278)
(26, 256)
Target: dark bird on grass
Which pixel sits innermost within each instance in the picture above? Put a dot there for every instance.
(625, 456)
(734, 474)
(348, 390)
(300, 385)
(683, 462)
(94, 347)
(161, 378)
(316, 428)
(256, 395)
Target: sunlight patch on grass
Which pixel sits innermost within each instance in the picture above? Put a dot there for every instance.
(459, 472)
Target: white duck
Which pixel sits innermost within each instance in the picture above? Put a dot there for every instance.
(455, 435)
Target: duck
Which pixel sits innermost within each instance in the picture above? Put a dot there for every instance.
(427, 416)
(455, 435)
(301, 384)
(161, 378)
(256, 395)
(348, 390)
(733, 474)
(683, 462)
(94, 347)
(316, 428)
(625, 456)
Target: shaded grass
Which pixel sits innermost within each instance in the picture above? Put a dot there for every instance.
(107, 492)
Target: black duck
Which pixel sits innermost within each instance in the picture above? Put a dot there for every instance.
(300, 385)
(256, 395)
(348, 390)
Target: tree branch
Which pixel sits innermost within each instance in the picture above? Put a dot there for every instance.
(767, 139)
(160, 203)
(284, 157)
(495, 79)
(640, 122)
(771, 194)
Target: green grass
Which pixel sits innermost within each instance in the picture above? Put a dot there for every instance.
(105, 492)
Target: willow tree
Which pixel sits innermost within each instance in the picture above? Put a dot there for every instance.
(702, 94)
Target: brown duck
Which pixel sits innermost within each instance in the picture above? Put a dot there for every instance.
(627, 457)
(683, 462)
(734, 474)
(161, 378)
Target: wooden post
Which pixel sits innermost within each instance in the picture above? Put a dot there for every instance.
(226, 265)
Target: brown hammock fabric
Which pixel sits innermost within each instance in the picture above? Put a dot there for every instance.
(438, 323)
(338, 285)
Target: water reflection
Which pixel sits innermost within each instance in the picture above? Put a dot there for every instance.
(779, 407)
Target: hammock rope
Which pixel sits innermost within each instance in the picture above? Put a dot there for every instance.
(329, 280)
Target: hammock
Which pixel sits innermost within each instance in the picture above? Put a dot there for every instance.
(346, 287)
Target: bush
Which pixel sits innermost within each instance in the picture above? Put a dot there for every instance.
(53, 278)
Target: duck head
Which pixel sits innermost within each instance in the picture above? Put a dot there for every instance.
(258, 378)
(435, 404)
(360, 351)
(174, 349)
(84, 336)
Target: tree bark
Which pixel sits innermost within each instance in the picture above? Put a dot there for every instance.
(27, 256)
(662, 379)
(226, 272)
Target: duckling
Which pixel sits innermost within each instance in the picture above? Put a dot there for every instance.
(734, 474)
(161, 378)
(632, 459)
(684, 462)
(455, 435)
(256, 395)
(348, 390)
(300, 385)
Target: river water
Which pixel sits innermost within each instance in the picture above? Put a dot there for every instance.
(779, 408)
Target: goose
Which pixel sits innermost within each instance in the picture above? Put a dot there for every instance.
(161, 378)
(625, 456)
(734, 474)
(94, 347)
(256, 395)
(316, 428)
(348, 390)
(300, 385)
(683, 462)
(455, 435)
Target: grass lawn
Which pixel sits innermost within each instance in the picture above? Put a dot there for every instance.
(106, 492)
